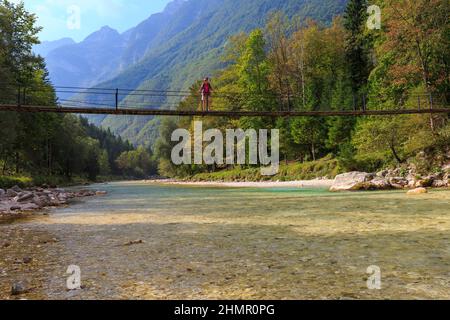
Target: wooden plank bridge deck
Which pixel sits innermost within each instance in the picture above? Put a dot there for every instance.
(231, 114)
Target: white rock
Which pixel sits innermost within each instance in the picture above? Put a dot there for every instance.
(352, 181)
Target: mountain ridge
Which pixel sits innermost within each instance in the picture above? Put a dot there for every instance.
(45, 47)
(172, 49)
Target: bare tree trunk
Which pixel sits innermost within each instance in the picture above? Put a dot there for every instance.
(313, 151)
(17, 163)
(394, 152)
(5, 164)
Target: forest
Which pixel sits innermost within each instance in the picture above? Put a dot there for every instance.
(290, 64)
(50, 148)
(294, 64)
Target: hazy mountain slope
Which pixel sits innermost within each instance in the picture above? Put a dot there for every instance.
(44, 48)
(105, 53)
(194, 51)
(86, 63)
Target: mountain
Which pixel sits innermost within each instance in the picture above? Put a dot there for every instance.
(89, 62)
(45, 47)
(169, 50)
(105, 53)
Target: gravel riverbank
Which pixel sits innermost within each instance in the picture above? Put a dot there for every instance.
(16, 201)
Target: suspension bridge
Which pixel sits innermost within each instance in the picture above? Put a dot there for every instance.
(126, 102)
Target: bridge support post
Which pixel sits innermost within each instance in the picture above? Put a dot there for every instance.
(18, 97)
(117, 99)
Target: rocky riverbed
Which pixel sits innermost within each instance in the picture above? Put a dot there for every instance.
(16, 201)
(145, 241)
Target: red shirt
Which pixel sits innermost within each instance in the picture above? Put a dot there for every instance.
(206, 88)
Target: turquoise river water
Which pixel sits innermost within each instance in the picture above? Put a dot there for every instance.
(152, 241)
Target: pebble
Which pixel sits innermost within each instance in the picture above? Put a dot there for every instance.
(134, 242)
(6, 245)
(18, 289)
(27, 260)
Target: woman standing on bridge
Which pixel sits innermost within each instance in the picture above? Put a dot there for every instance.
(206, 90)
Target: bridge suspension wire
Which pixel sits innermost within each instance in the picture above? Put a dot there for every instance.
(96, 100)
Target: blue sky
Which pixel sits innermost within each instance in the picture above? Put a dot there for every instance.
(60, 17)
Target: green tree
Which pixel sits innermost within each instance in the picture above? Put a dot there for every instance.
(137, 163)
(103, 162)
(357, 44)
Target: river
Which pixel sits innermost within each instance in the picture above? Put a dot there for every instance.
(150, 241)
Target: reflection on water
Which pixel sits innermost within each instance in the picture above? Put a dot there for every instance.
(247, 243)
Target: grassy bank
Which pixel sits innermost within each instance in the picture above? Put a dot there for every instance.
(295, 171)
(28, 181)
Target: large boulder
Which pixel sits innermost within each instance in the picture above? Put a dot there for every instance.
(2, 193)
(41, 202)
(62, 198)
(37, 201)
(379, 184)
(11, 193)
(16, 189)
(440, 183)
(425, 182)
(24, 197)
(412, 180)
(352, 181)
(398, 182)
(382, 174)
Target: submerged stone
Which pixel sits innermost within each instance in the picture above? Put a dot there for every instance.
(417, 191)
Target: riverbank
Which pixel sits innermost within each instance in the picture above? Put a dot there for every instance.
(324, 169)
(292, 175)
(17, 202)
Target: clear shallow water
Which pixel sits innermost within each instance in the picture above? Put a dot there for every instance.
(244, 243)
(125, 196)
